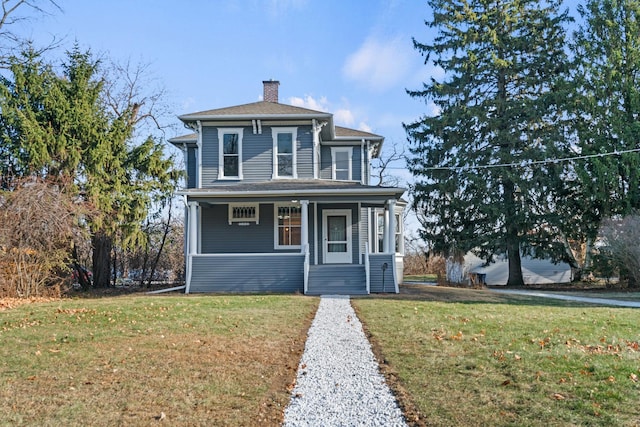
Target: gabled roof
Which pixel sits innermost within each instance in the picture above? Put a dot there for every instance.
(255, 110)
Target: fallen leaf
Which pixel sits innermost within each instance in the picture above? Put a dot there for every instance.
(633, 378)
(506, 382)
(558, 396)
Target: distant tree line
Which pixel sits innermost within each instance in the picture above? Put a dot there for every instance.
(534, 137)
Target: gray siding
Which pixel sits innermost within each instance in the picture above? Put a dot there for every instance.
(191, 167)
(377, 275)
(257, 155)
(251, 273)
(364, 230)
(326, 162)
(305, 152)
(218, 237)
(209, 155)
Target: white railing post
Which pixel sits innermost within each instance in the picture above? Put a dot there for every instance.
(366, 267)
(306, 267)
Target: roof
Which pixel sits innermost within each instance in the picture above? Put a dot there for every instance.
(254, 110)
(353, 133)
(295, 188)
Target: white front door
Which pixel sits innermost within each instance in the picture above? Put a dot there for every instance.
(336, 226)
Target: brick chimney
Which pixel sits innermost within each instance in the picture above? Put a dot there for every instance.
(270, 90)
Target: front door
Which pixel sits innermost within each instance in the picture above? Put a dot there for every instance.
(337, 236)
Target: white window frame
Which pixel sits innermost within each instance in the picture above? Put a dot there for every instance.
(349, 151)
(276, 225)
(247, 207)
(275, 131)
(379, 234)
(399, 234)
(221, 133)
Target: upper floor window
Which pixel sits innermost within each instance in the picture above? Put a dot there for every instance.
(284, 152)
(230, 153)
(341, 163)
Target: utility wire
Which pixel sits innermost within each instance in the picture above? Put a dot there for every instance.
(532, 163)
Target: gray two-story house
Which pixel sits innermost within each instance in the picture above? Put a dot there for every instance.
(279, 200)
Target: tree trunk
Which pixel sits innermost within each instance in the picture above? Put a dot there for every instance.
(102, 245)
(515, 262)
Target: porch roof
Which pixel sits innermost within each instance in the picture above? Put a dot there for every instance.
(294, 188)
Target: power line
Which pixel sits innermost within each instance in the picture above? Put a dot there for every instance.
(532, 162)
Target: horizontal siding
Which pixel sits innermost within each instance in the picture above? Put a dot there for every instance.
(209, 156)
(257, 155)
(337, 280)
(220, 237)
(376, 274)
(251, 273)
(305, 152)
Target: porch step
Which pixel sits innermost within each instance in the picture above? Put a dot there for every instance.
(337, 279)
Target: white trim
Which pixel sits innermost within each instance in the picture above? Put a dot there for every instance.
(362, 168)
(315, 233)
(199, 156)
(221, 133)
(275, 131)
(347, 257)
(349, 151)
(276, 225)
(256, 210)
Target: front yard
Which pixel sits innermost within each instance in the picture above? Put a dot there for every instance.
(454, 357)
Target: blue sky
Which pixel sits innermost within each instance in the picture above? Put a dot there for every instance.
(352, 58)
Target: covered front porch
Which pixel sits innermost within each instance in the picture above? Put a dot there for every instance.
(318, 244)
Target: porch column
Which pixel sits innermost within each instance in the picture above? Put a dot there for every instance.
(392, 226)
(193, 228)
(304, 227)
(385, 234)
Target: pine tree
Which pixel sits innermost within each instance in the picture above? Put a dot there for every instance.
(607, 109)
(497, 112)
(61, 128)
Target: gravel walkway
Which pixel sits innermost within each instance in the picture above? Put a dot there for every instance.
(339, 383)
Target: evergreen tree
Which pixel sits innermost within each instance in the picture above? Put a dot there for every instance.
(483, 183)
(607, 109)
(60, 127)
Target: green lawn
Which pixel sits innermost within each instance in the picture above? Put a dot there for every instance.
(190, 360)
(474, 358)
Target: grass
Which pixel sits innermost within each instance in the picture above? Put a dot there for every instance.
(191, 360)
(475, 358)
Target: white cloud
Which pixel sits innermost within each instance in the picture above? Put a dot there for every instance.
(344, 117)
(310, 102)
(342, 114)
(380, 64)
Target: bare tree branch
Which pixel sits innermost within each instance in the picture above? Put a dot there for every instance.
(382, 164)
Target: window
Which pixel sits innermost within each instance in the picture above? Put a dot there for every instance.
(398, 234)
(341, 163)
(244, 212)
(380, 231)
(288, 225)
(284, 152)
(230, 153)
(399, 243)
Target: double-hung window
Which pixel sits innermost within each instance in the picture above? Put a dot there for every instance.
(284, 152)
(230, 153)
(341, 159)
(288, 226)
